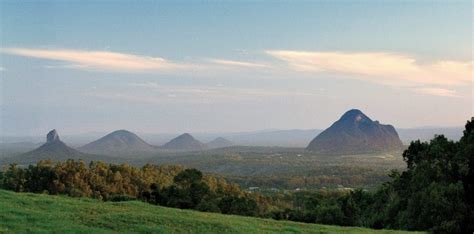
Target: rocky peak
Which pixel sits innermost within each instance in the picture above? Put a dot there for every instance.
(354, 115)
(355, 133)
(52, 136)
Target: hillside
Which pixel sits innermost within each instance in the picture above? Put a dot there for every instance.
(117, 143)
(184, 142)
(355, 133)
(219, 142)
(25, 212)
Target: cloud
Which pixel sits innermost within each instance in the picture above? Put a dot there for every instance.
(434, 78)
(101, 60)
(385, 68)
(239, 63)
(437, 92)
(123, 62)
(2, 69)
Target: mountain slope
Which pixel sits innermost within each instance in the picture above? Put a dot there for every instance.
(219, 142)
(33, 213)
(355, 133)
(184, 142)
(120, 142)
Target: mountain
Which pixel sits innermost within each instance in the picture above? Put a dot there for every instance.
(117, 143)
(53, 149)
(355, 133)
(219, 142)
(184, 142)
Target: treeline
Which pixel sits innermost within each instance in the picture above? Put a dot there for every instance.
(434, 193)
(97, 179)
(171, 186)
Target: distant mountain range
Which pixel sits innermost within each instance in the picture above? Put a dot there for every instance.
(281, 138)
(301, 137)
(123, 142)
(355, 133)
(118, 143)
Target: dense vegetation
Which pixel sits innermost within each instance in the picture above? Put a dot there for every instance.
(171, 186)
(38, 213)
(434, 193)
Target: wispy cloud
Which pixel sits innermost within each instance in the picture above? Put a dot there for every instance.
(437, 92)
(434, 78)
(239, 63)
(124, 62)
(386, 68)
(101, 60)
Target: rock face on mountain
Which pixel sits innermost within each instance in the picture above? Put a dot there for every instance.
(184, 142)
(355, 133)
(53, 149)
(118, 143)
(52, 136)
(219, 142)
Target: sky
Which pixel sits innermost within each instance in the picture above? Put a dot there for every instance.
(228, 66)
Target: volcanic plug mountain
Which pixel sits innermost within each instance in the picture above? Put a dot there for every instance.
(355, 133)
(120, 142)
(53, 149)
(184, 142)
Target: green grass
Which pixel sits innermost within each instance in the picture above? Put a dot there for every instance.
(26, 213)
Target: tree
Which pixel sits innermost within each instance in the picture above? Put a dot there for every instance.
(435, 192)
(187, 177)
(238, 206)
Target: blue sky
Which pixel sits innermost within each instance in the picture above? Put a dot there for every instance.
(191, 66)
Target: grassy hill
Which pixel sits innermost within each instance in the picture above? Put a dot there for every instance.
(26, 212)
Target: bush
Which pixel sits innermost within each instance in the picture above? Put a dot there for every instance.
(121, 198)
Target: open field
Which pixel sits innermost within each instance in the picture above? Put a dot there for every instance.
(25, 212)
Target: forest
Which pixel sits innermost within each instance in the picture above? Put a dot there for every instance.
(433, 193)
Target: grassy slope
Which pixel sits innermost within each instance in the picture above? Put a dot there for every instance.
(24, 212)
